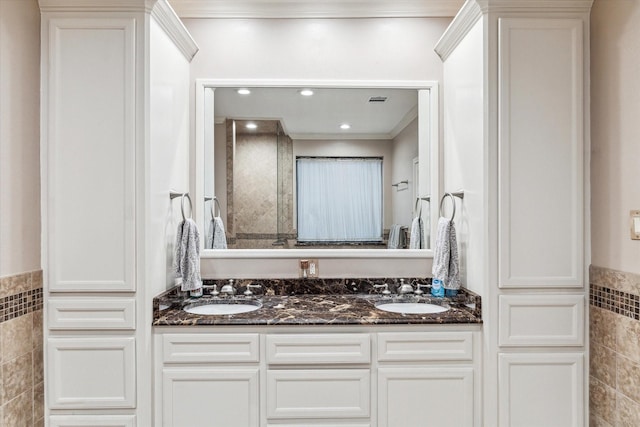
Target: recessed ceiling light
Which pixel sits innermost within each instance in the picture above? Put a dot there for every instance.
(306, 92)
(345, 126)
(251, 126)
(243, 91)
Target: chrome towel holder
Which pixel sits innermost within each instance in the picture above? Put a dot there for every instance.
(452, 196)
(214, 199)
(174, 194)
(419, 205)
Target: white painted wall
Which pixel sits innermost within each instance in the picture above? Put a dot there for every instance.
(464, 156)
(19, 136)
(404, 150)
(324, 49)
(615, 148)
(316, 49)
(168, 154)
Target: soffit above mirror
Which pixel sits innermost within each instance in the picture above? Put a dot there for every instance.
(315, 8)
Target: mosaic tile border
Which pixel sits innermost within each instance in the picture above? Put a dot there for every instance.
(20, 294)
(619, 302)
(610, 290)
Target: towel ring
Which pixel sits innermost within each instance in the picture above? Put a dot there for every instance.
(186, 196)
(213, 200)
(453, 202)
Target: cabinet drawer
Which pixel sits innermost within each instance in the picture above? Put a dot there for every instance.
(318, 349)
(219, 348)
(92, 421)
(541, 320)
(318, 394)
(103, 313)
(425, 346)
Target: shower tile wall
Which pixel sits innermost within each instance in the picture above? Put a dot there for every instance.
(614, 336)
(21, 356)
(252, 197)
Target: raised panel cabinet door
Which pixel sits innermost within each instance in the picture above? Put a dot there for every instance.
(90, 373)
(419, 397)
(541, 389)
(88, 151)
(210, 397)
(541, 159)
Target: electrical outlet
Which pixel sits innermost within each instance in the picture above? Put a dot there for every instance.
(308, 268)
(314, 270)
(634, 222)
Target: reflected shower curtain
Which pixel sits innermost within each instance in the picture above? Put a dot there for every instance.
(339, 199)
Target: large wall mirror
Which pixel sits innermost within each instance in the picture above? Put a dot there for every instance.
(308, 168)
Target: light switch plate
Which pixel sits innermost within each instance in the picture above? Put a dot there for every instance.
(634, 222)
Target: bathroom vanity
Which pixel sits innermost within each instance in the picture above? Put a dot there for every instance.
(122, 125)
(318, 359)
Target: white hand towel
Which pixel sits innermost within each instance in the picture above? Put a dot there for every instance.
(208, 241)
(445, 255)
(219, 239)
(394, 237)
(187, 255)
(417, 236)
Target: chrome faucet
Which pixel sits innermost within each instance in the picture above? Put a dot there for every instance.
(404, 288)
(248, 292)
(228, 289)
(385, 288)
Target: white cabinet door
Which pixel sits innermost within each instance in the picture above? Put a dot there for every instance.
(89, 153)
(89, 373)
(210, 397)
(542, 389)
(419, 397)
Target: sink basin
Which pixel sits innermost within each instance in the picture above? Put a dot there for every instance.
(411, 307)
(222, 308)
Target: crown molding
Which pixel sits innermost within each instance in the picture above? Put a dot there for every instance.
(175, 29)
(96, 5)
(525, 6)
(473, 10)
(315, 8)
(458, 29)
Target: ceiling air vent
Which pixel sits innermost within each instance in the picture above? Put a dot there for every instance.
(378, 99)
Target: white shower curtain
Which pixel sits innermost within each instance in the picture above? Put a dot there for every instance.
(339, 199)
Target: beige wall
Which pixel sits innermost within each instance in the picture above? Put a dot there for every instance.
(615, 190)
(19, 136)
(615, 132)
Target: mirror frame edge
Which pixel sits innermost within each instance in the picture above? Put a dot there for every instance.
(428, 127)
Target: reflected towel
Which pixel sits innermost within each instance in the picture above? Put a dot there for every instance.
(187, 255)
(417, 235)
(445, 255)
(218, 238)
(394, 237)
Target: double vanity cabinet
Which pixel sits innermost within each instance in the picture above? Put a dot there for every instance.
(348, 366)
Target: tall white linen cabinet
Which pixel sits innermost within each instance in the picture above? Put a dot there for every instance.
(114, 142)
(516, 139)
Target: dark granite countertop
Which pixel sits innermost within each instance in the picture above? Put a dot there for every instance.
(316, 302)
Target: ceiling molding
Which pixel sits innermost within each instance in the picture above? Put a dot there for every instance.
(315, 8)
(96, 5)
(524, 6)
(346, 136)
(406, 120)
(175, 29)
(458, 29)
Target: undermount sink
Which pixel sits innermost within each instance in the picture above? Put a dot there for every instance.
(223, 308)
(411, 307)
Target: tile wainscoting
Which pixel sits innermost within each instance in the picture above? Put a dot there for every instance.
(614, 336)
(21, 355)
